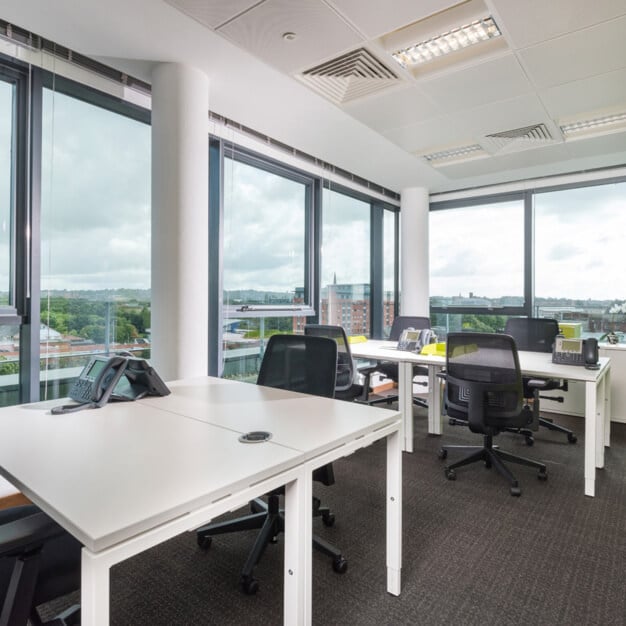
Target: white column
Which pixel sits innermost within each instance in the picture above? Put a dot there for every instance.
(180, 204)
(414, 289)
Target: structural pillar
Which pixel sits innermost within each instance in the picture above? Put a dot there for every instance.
(180, 231)
(414, 270)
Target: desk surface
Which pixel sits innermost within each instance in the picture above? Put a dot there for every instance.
(532, 363)
(108, 474)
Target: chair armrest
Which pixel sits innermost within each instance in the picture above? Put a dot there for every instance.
(27, 533)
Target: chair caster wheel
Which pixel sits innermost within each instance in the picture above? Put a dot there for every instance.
(274, 539)
(249, 585)
(450, 474)
(530, 441)
(340, 565)
(452, 422)
(572, 438)
(204, 541)
(442, 454)
(543, 475)
(328, 519)
(515, 491)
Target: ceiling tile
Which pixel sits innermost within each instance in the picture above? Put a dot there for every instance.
(496, 79)
(429, 136)
(319, 33)
(396, 108)
(602, 144)
(214, 13)
(531, 21)
(579, 55)
(497, 117)
(598, 93)
(377, 18)
(506, 163)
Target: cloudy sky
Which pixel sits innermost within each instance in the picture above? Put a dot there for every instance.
(579, 249)
(95, 197)
(5, 186)
(96, 215)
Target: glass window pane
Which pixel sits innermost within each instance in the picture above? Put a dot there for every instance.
(264, 237)
(477, 255)
(579, 252)
(345, 273)
(95, 231)
(244, 341)
(389, 267)
(6, 173)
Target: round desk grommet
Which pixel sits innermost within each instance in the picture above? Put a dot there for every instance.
(255, 436)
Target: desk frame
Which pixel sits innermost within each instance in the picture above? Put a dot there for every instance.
(295, 474)
(597, 395)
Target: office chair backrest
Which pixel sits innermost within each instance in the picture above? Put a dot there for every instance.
(345, 363)
(484, 381)
(300, 363)
(402, 322)
(39, 562)
(534, 334)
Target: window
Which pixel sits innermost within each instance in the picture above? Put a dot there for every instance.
(477, 256)
(389, 270)
(95, 237)
(266, 286)
(579, 251)
(9, 331)
(6, 191)
(345, 261)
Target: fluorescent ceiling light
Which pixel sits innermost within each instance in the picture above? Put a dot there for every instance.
(453, 153)
(453, 40)
(606, 120)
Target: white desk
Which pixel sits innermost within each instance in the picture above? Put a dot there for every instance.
(129, 476)
(597, 394)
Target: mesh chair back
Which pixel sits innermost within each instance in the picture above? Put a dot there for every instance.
(300, 363)
(535, 334)
(345, 364)
(483, 369)
(402, 322)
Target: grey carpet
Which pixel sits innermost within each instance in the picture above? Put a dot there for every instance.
(473, 554)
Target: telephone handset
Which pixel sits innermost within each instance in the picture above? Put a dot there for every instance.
(576, 351)
(412, 340)
(112, 378)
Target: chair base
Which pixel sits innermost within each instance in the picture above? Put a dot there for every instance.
(492, 457)
(546, 423)
(525, 432)
(389, 399)
(269, 518)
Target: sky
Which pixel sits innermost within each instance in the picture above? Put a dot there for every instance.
(95, 197)
(96, 223)
(579, 246)
(5, 186)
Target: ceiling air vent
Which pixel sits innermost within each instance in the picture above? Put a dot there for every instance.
(350, 76)
(519, 139)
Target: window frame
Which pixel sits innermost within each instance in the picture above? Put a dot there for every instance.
(524, 310)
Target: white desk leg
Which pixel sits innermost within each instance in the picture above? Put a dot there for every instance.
(591, 437)
(394, 513)
(94, 590)
(298, 546)
(607, 407)
(405, 403)
(434, 401)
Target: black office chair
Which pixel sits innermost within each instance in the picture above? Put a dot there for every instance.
(484, 386)
(389, 369)
(297, 363)
(39, 562)
(536, 334)
(345, 387)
